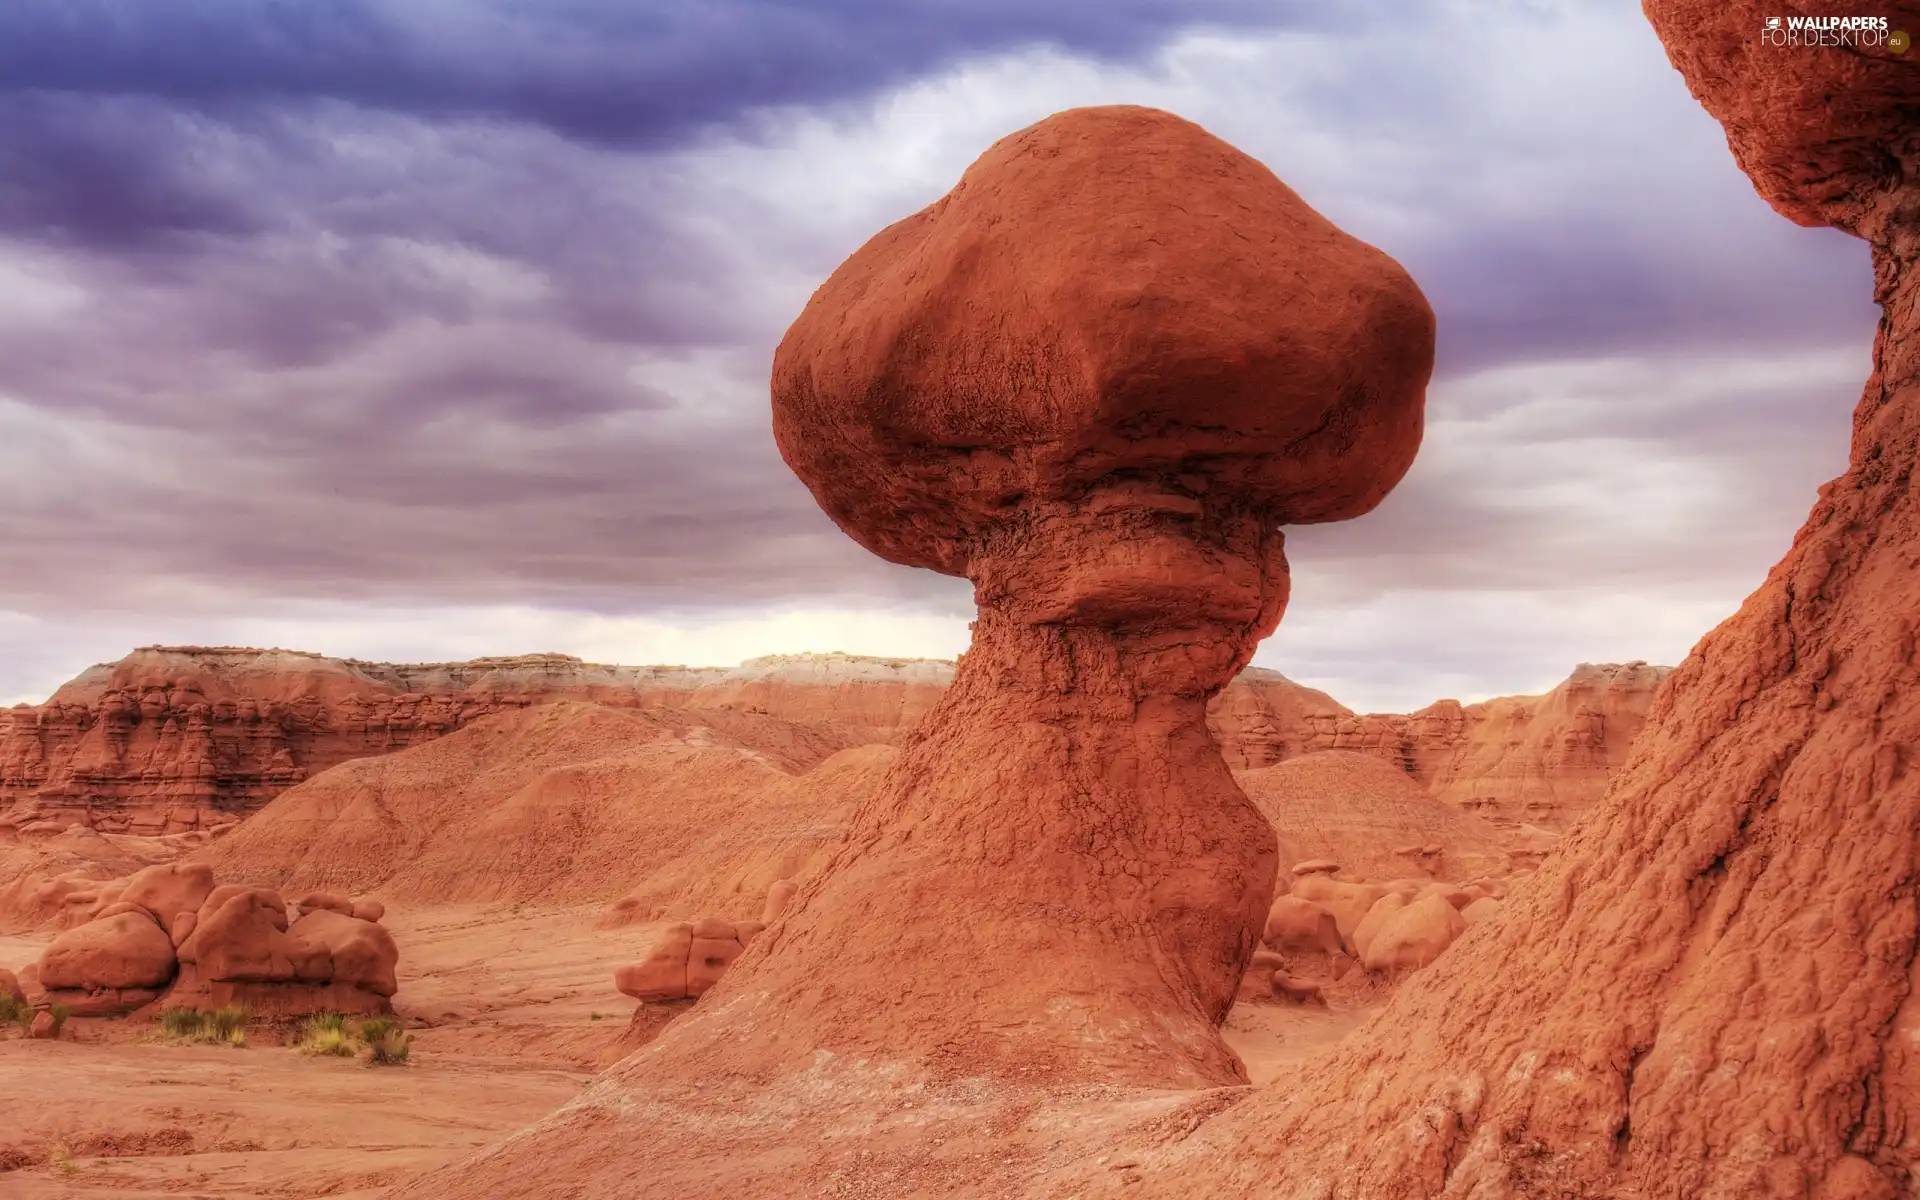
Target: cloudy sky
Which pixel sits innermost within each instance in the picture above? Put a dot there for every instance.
(421, 329)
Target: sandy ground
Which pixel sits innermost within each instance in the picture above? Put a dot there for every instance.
(513, 1010)
(1270, 1038)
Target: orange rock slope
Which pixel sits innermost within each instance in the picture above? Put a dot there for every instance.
(1708, 992)
(569, 803)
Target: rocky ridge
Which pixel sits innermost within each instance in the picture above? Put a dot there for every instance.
(174, 739)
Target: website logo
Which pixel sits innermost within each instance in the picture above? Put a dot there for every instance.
(1853, 33)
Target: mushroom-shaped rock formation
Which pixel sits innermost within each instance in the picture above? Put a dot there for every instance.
(1095, 378)
(1709, 990)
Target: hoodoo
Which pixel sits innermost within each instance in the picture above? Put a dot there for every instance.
(1095, 379)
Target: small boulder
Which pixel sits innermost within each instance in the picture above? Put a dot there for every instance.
(369, 910)
(364, 954)
(242, 942)
(1348, 902)
(1315, 866)
(169, 890)
(1457, 896)
(1383, 910)
(1414, 936)
(1296, 991)
(10, 988)
(662, 974)
(123, 951)
(1299, 926)
(43, 1025)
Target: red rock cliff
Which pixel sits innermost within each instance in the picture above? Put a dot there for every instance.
(176, 738)
(1536, 759)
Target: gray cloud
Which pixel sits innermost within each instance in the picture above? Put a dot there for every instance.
(473, 306)
(595, 70)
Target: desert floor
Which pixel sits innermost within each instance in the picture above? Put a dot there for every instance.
(512, 1009)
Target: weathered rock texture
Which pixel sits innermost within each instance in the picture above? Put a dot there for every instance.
(1537, 759)
(1708, 992)
(1093, 379)
(50, 881)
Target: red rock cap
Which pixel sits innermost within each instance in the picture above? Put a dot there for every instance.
(1110, 300)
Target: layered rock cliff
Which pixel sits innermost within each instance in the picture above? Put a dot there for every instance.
(176, 738)
(1535, 759)
(171, 739)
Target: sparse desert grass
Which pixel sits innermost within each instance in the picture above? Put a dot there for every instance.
(387, 1044)
(63, 1160)
(326, 1035)
(222, 1026)
(60, 1014)
(333, 1035)
(182, 1022)
(16, 1012)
